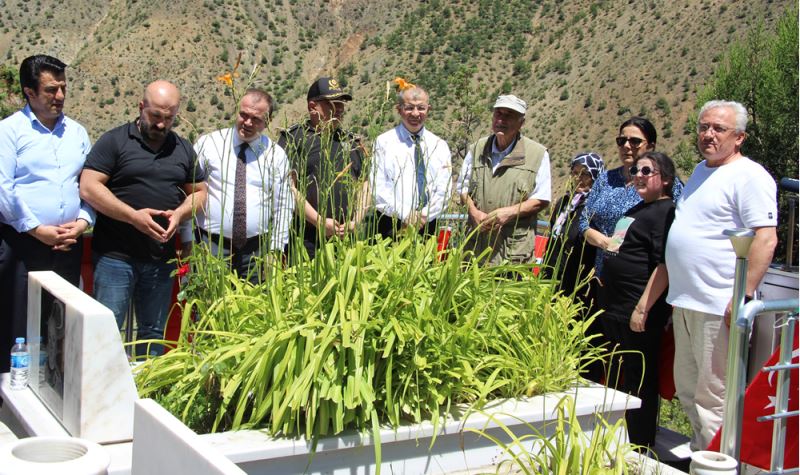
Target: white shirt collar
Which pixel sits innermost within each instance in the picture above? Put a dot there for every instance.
(406, 135)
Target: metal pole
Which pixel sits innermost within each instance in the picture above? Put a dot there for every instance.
(741, 239)
(790, 232)
(737, 368)
(735, 388)
(782, 395)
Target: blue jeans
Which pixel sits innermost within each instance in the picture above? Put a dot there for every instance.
(149, 284)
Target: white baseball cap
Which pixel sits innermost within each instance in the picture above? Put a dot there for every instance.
(512, 102)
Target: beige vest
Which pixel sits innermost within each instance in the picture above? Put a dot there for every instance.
(513, 181)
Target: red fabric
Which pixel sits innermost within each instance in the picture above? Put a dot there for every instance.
(173, 330)
(759, 401)
(87, 269)
(539, 248)
(173, 326)
(666, 357)
(173, 321)
(443, 242)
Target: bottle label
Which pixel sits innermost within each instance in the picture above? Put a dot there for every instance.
(20, 361)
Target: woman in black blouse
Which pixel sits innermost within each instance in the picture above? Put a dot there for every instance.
(634, 252)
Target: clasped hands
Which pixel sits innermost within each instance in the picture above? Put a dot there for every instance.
(60, 237)
(144, 222)
(493, 220)
(334, 228)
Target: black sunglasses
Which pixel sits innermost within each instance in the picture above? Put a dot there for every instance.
(646, 171)
(634, 141)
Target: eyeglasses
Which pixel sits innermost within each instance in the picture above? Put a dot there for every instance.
(718, 129)
(634, 141)
(412, 108)
(645, 170)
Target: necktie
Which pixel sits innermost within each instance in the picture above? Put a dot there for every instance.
(419, 165)
(239, 232)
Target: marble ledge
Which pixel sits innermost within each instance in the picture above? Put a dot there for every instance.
(248, 445)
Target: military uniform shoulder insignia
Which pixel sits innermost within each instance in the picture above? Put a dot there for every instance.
(289, 130)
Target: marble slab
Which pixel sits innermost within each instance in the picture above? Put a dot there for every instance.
(85, 379)
(405, 450)
(408, 449)
(164, 445)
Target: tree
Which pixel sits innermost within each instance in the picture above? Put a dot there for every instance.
(11, 98)
(761, 72)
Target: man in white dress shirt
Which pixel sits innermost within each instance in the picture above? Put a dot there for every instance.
(250, 205)
(411, 176)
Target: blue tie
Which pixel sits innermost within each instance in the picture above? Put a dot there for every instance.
(419, 164)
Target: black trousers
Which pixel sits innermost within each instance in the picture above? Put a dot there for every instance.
(242, 259)
(388, 226)
(595, 371)
(639, 375)
(21, 253)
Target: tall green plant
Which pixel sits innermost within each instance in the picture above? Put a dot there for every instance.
(562, 448)
(369, 333)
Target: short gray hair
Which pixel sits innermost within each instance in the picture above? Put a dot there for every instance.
(739, 111)
(410, 94)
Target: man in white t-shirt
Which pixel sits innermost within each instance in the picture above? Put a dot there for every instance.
(726, 190)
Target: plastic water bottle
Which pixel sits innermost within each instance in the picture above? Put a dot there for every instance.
(20, 361)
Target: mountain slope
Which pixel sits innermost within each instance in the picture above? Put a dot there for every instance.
(583, 66)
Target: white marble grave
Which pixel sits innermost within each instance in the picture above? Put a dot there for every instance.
(405, 450)
(79, 371)
(164, 445)
(99, 398)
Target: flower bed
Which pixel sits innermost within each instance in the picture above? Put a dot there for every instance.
(361, 336)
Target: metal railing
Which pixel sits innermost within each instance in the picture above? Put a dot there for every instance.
(742, 318)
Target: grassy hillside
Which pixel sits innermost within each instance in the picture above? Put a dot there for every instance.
(583, 66)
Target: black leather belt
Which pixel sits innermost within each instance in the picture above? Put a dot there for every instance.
(227, 243)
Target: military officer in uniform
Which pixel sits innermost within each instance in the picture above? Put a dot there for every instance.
(330, 193)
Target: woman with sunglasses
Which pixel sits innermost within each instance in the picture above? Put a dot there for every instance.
(613, 193)
(635, 251)
(611, 196)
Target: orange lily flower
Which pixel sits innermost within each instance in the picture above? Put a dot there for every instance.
(228, 77)
(402, 84)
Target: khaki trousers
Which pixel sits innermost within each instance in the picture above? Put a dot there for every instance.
(701, 360)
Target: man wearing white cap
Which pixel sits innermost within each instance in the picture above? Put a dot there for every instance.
(505, 182)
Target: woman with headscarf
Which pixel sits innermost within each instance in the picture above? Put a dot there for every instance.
(569, 260)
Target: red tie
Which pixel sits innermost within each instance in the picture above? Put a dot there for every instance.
(239, 232)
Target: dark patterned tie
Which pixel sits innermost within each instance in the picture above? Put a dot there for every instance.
(239, 232)
(419, 165)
